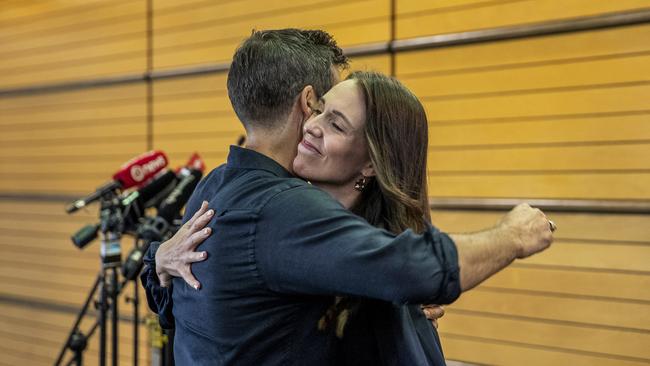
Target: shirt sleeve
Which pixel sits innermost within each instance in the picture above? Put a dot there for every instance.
(307, 243)
(159, 298)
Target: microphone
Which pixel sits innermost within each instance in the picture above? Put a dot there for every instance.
(132, 173)
(85, 235)
(157, 228)
(140, 169)
(156, 190)
(149, 195)
(195, 162)
(172, 205)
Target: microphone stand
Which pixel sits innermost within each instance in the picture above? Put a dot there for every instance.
(111, 226)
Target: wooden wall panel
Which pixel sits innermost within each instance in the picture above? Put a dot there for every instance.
(210, 32)
(419, 18)
(588, 339)
(587, 297)
(40, 265)
(490, 352)
(591, 45)
(559, 116)
(75, 42)
(88, 134)
(35, 336)
(194, 115)
(537, 127)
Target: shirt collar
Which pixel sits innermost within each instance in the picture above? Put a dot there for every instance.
(243, 158)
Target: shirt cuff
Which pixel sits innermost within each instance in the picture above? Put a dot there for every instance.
(159, 298)
(446, 251)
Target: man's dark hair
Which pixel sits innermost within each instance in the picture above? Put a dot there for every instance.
(271, 67)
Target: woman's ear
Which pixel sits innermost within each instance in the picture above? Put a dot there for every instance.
(368, 170)
(308, 98)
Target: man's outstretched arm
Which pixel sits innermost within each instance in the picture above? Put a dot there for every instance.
(523, 232)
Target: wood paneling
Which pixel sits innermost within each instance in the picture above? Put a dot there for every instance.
(558, 116)
(74, 42)
(532, 119)
(210, 32)
(600, 340)
(40, 265)
(419, 18)
(36, 336)
(88, 134)
(587, 297)
(487, 351)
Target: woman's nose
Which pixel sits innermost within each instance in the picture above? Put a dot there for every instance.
(313, 128)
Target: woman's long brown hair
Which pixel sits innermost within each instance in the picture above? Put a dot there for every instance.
(397, 137)
(395, 199)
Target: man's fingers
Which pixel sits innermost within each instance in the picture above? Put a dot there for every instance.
(433, 312)
(190, 279)
(197, 214)
(193, 257)
(198, 238)
(202, 220)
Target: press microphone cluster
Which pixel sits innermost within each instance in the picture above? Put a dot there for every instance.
(127, 203)
(156, 187)
(159, 227)
(133, 173)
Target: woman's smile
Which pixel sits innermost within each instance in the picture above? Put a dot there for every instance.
(308, 148)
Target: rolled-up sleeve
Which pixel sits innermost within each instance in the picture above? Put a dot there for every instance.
(310, 244)
(159, 298)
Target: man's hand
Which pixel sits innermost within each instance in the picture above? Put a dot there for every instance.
(175, 256)
(433, 313)
(529, 228)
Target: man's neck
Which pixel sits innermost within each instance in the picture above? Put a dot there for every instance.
(277, 148)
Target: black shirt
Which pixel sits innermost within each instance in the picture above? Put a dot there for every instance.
(279, 251)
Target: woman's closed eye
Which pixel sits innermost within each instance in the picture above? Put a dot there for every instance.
(337, 127)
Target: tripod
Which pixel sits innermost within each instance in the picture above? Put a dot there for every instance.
(111, 226)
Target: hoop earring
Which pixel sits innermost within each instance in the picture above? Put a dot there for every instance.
(360, 184)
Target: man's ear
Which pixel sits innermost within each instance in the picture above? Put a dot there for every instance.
(368, 170)
(308, 98)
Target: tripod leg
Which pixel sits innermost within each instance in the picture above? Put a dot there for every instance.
(136, 321)
(75, 327)
(103, 298)
(114, 315)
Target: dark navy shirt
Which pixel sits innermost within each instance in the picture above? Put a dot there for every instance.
(279, 251)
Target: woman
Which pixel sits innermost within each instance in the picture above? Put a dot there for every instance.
(366, 145)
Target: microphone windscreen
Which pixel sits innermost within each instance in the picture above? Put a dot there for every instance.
(157, 189)
(140, 169)
(172, 205)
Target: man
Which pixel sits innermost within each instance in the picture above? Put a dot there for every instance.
(283, 248)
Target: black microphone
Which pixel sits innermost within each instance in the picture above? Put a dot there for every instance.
(170, 208)
(85, 235)
(133, 206)
(150, 195)
(133, 263)
(158, 228)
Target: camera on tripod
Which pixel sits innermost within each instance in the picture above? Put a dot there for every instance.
(140, 186)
